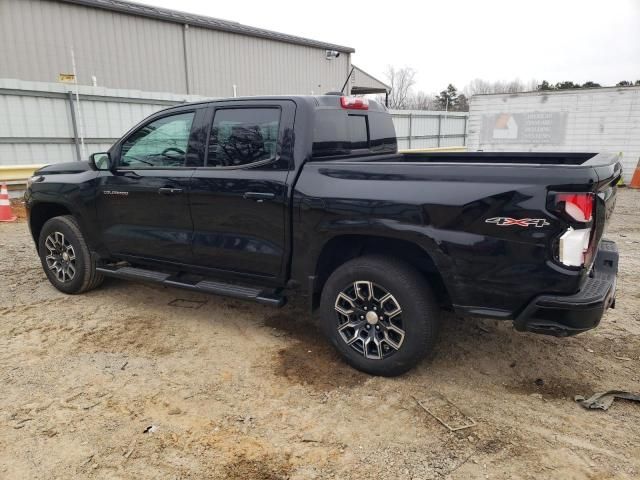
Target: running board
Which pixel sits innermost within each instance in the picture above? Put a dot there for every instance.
(206, 286)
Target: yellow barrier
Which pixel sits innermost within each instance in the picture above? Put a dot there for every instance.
(17, 174)
(435, 149)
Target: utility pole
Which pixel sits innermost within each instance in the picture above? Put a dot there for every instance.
(80, 119)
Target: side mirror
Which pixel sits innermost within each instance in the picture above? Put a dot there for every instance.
(101, 161)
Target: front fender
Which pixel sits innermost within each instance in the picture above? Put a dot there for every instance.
(73, 192)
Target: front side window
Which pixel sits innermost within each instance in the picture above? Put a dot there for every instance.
(242, 136)
(160, 144)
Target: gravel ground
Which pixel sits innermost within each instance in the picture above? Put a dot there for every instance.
(139, 381)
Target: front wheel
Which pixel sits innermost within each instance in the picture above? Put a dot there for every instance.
(65, 256)
(380, 314)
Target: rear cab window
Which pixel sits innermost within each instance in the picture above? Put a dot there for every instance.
(358, 126)
(340, 133)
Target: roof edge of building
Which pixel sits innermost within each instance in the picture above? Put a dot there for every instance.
(371, 76)
(212, 23)
(559, 92)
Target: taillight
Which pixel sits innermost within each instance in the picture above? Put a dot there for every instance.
(354, 103)
(574, 245)
(578, 206)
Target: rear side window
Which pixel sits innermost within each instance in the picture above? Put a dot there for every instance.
(242, 136)
(358, 127)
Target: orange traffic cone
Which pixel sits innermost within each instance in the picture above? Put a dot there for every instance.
(5, 207)
(635, 181)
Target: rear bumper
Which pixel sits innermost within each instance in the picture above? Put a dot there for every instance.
(562, 316)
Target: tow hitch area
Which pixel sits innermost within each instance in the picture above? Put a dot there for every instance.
(562, 316)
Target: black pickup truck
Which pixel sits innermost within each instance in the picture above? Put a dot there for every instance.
(259, 198)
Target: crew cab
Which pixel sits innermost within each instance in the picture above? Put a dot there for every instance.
(266, 197)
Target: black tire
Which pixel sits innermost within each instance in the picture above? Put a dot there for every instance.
(84, 276)
(419, 316)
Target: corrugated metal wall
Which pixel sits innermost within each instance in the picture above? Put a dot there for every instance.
(259, 66)
(127, 51)
(593, 120)
(428, 129)
(36, 125)
(122, 51)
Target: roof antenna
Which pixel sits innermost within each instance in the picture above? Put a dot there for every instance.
(347, 80)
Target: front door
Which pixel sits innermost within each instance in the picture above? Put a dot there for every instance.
(239, 198)
(144, 208)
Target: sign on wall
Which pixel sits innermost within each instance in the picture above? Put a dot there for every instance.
(66, 78)
(531, 127)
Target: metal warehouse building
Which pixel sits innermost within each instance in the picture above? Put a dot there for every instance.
(132, 46)
(585, 120)
(132, 60)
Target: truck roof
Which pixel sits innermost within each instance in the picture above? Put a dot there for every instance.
(329, 100)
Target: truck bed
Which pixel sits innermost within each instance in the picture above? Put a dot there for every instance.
(570, 159)
(497, 158)
(542, 158)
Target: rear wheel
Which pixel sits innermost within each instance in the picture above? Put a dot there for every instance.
(380, 314)
(65, 257)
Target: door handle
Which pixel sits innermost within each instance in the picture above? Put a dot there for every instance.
(259, 196)
(169, 191)
(309, 203)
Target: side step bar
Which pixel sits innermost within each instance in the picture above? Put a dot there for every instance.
(205, 286)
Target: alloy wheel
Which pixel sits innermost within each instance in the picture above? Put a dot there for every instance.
(370, 319)
(61, 257)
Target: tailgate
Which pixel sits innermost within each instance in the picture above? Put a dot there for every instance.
(609, 174)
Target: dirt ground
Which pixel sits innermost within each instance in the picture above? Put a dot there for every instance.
(140, 381)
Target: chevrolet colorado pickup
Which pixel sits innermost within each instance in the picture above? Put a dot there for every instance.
(259, 198)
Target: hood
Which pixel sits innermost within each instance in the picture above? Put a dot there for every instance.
(69, 167)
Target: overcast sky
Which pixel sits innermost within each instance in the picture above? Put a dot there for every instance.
(457, 41)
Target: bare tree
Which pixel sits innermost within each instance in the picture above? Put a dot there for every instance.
(403, 96)
(401, 81)
(514, 86)
(479, 87)
(421, 101)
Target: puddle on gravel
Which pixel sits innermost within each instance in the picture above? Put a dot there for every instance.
(309, 359)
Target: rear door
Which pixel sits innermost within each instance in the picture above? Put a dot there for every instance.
(239, 198)
(144, 208)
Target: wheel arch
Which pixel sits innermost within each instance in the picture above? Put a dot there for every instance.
(340, 249)
(40, 213)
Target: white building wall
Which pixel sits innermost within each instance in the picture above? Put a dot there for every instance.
(36, 124)
(257, 66)
(590, 120)
(121, 51)
(127, 51)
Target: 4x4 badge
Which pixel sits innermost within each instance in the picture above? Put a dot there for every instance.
(518, 222)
